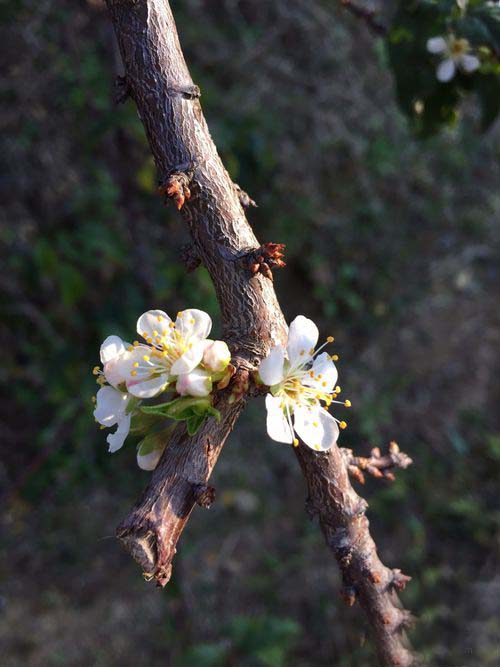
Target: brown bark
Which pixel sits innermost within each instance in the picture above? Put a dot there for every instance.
(192, 173)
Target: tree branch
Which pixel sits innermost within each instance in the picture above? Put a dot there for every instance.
(159, 82)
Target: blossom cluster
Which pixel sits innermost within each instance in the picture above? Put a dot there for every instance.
(176, 356)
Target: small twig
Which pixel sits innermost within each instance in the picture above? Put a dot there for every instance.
(366, 15)
(377, 465)
(245, 200)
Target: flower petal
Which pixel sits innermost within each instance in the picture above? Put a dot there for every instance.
(110, 406)
(325, 374)
(146, 388)
(115, 440)
(196, 383)
(469, 63)
(193, 323)
(316, 427)
(112, 347)
(190, 359)
(436, 45)
(150, 461)
(445, 70)
(278, 427)
(302, 338)
(271, 368)
(153, 323)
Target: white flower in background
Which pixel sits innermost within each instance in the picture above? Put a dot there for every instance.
(216, 355)
(300, 380)
(150, 460)
(456, 55)
(173, 349)
(196, 383)
(112, 408)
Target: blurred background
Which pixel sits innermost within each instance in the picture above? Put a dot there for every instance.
(392, 246)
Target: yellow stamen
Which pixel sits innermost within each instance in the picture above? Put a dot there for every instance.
(146, 357)
(95, 370)
(315, 423)
(295, 442)
(172, 325)
(136, 343)
(317, 448)
(192, 320)
(335, 357)
(136, 364)
(159, 318)
(330, 339)
(343, 424)
(323, 384)
(347, 403)
(337, 389)
(302, 352)
(155, 333)
(130, 348)
(133, 373)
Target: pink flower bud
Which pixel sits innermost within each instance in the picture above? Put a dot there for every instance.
(216, 356)
(196, 383)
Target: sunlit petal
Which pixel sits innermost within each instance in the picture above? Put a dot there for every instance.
(152, 324)
(271, 368)
(278, 427)
(190, 359)
(193, 323)
(302, 339)
(316, 427)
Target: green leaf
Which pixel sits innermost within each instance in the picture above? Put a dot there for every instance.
(194, 423)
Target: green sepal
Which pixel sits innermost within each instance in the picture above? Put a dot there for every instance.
(155, 440)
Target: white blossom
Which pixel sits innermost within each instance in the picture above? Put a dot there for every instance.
(172, 349)
(300, 380)
(455, 53)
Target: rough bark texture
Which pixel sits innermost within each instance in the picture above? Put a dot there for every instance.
(157, 78)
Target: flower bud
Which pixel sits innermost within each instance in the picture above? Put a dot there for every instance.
(150, 460)
(216, 356)
(196, 383)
